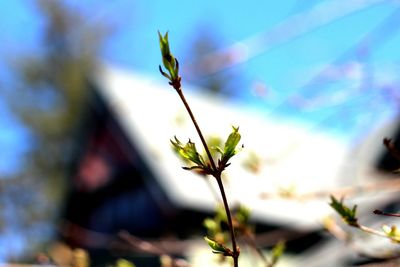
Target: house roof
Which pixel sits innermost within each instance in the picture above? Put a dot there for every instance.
(291, 157)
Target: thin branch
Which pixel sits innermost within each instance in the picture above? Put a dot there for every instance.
(198, 130)
(250, 240)
(142, 245)
(339, 233)
(217, 174)
(172, 66)
(151, 248)
(379, 212)
(374, 232)
(235, 248)
(388, 185)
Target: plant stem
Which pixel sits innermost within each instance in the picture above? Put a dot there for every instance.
(236, 252)
(372, 231)
(217, 174)
(378, 233)
(203, 141)
(379, 212)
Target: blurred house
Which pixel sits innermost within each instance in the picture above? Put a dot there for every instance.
(128, 176)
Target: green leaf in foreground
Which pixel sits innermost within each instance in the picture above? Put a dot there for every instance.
(347, 214)
(229, 148)
(188, 152)
(231, 143)
(168, 59)
(217, 247)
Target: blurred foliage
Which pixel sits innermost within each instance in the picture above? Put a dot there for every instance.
(50, 98)
(124, 263)
(218, 237)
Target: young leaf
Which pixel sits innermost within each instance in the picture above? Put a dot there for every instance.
(231, 143)
(347, 214)
(215, 144)
(168, 59)
(217, 247)
(188, 152)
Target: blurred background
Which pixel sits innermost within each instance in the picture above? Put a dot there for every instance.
(71, 174)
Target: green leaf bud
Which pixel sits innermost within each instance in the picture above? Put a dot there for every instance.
(216, 247)
(231, 142)
(188, 152)
(347, 214)
(168, 59)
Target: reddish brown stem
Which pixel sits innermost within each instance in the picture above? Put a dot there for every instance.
(217, 174)
(379, 212)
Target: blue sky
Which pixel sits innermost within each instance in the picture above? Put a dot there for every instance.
(333, 102)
